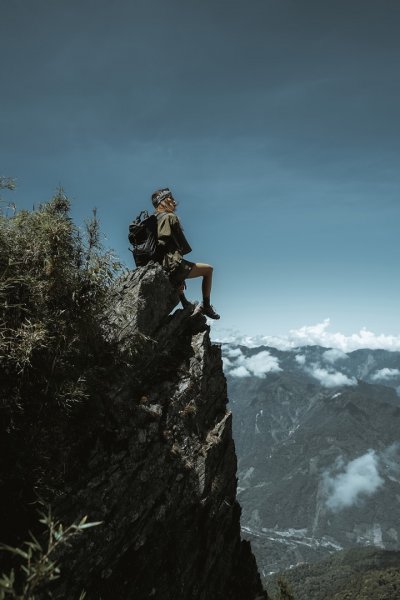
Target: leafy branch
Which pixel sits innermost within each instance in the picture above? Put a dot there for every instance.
(39, 567)
(7, 183)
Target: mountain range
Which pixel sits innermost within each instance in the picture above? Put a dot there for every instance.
(317, 437)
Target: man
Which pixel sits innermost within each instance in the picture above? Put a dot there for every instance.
(173, 246)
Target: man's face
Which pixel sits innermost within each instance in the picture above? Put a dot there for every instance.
(169, 204)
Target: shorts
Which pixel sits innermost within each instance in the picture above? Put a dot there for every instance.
(181, 272)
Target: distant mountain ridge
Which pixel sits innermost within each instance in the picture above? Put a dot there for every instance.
(317, 438)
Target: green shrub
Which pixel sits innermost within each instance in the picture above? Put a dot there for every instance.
(53, 288)
(54, 282)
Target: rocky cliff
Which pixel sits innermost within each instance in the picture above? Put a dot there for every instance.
(153, 459)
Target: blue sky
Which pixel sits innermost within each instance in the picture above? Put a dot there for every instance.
(275, 122)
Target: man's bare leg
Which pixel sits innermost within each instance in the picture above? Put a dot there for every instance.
(206, 272)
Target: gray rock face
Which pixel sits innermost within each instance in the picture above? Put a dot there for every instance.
(139, 302)
(158, 466)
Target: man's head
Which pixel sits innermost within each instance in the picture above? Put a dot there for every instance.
(163, 200)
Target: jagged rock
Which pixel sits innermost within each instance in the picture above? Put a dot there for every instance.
(139, 301)
(159, 465)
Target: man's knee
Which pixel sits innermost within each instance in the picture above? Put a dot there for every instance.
(201, 270)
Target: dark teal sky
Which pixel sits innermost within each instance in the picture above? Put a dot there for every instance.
(275, 122)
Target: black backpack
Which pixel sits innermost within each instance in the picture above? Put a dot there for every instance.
(143, 237)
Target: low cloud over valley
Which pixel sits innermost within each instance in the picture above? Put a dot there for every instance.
(329, 378)
(346, 484)
(238, 365)
(385, 374)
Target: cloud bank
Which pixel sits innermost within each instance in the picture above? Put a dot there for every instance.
(238, 365)
(318, 334)
(331, 356)
(300, 359)
(330, 379)
(385, 374)
(359, 478)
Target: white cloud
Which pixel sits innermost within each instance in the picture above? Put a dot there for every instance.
(262, 363)
(360, 477)
(310, 335)
(259, 364)
(330, 379)
(385, 374)
(226, 362)
(300, 359)
(331, 356)
(240, 372)
(232, 352)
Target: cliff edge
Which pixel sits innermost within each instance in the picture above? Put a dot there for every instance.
(150, 454)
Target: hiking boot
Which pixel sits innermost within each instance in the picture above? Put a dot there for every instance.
(208, 311)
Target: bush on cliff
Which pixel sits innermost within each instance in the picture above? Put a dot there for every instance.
(53, 291)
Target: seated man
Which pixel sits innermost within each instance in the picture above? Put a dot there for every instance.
(173, 246)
